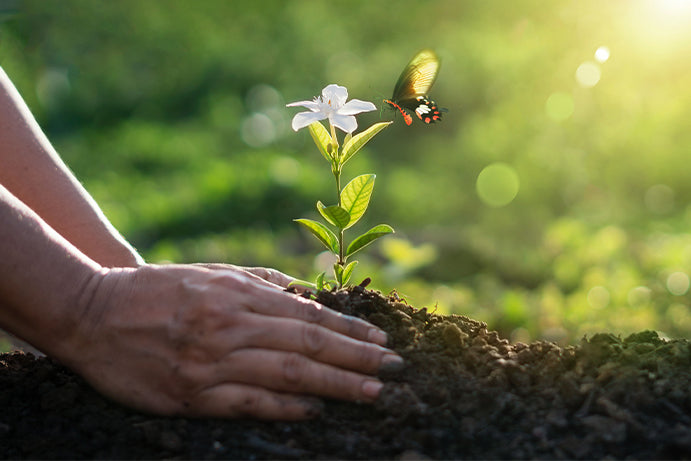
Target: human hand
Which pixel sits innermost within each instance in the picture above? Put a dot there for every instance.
(266, 274)
(193, 341)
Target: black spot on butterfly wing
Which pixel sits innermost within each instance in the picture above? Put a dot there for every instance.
(410, 92)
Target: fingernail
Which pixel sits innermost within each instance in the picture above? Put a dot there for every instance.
(377, 336)
(391, 363)
(372, 388)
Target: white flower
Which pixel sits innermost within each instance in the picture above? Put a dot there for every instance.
(332, 105)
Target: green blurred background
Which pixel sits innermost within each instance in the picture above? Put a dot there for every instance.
(551, 202)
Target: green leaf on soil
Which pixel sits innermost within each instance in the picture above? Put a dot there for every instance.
(319, 282)
(302, 283)
(348, 272)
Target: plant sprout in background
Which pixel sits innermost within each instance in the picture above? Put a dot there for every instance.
(353, 199)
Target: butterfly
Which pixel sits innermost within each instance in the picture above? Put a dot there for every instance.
(410, 92)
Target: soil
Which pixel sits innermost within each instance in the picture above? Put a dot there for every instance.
(465, 393)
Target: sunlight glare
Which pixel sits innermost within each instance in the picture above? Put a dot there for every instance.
(661, 26)
(673, 8)
(602, 54)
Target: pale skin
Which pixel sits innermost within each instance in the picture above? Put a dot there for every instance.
(207, 340)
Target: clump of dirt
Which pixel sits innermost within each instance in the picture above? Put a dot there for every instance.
(465, 393)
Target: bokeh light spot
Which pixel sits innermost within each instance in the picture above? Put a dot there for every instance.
(497, 184)
(639, 296)
(559, 106)
(588, 74)
(678, 283)
(258, 130)
(285, 170)
(679, 314)
(659, 199)
(52, 86)
(263, 97)
(602, 54)
(598, 297)
(324, 261)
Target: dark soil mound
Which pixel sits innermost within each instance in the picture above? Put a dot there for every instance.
(465, 393)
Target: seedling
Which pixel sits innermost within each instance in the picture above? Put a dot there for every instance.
(353, 199)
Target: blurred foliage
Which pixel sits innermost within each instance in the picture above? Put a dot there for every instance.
(173, 115)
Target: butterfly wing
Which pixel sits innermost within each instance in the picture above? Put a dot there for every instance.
(425, 109)
(417, 77)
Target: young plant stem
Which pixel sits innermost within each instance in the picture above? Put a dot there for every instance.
(337, 175)
(337, 166)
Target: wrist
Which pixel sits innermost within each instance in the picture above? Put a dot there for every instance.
(42, 278)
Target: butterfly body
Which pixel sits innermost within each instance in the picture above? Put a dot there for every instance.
(410, 92)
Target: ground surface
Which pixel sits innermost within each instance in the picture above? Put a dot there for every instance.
(465, 393)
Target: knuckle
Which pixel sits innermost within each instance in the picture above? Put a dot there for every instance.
(370, 357)
(311, 312)
(313, 339)
(247, 404)
(198, 318)
(265, 272)
(185, 382)
(353, 326)
(293, 368)
(184, 378)
(238, 283)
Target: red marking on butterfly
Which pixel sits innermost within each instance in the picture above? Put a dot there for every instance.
(410, 92)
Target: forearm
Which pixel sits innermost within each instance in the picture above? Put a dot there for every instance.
(34, 173)
(43, 279)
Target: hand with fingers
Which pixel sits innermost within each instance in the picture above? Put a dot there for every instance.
(222, 341)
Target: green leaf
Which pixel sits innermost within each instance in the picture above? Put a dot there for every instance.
(319, 282)
(338, 271)
(348, 271)
(368, 237)
(301, 283)
(330, 284)
(322, 139)
(354, 144)
(323, 233)
(355, 197)
(334, 214)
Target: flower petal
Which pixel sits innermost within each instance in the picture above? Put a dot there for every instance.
(355, 106)
(335, 95)
(346, 123)
(311, 105)
(303, 119)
